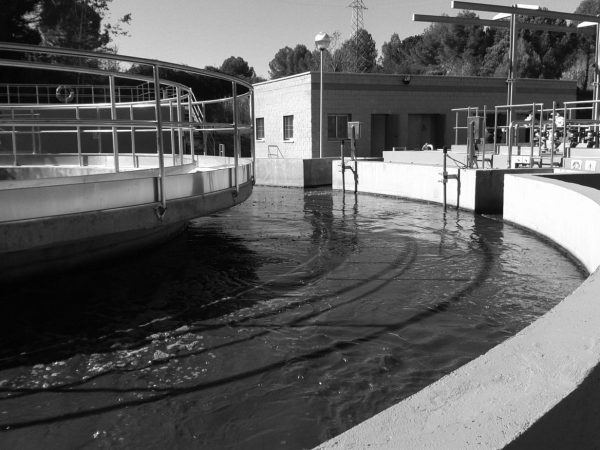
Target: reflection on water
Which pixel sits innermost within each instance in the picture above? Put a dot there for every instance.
(275, 324)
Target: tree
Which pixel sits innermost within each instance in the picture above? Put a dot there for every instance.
(581, 68)
(397, 56)
(238, 67)
(288, 61)
(358, 54)
(453, 49)
(77, 24)
(16, 22)
(591, 7)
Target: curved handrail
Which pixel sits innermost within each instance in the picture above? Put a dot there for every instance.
(87, 70)
(28, 48)
(196, 119)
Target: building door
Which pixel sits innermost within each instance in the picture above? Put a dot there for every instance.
(384, 133)
(425, 128)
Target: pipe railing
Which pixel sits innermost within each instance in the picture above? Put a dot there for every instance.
(552, 130)
(154, 92)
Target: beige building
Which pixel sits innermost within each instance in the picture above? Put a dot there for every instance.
(395, 110)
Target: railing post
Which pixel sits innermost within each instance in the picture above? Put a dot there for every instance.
(179, 120)
(531, 131)
(134, 159)
(236, 142)
(253, 139)
(33, 135)
(484, 137)
(14, 138)
(553, 146)
(496, 131)
(566, 148)
(172, 133)
(343, 166)
(113, 116)
(159, 142)
(191, 128)
(204, 133)
(79, 156)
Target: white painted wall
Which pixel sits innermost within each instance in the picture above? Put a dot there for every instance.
(273, 100)
(420, 182)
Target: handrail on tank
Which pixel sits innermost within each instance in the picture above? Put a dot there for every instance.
(28, 48)
(182, 93)
(551, 127)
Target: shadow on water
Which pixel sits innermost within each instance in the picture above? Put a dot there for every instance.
(202, 274)
(92, 309)
(200, 282)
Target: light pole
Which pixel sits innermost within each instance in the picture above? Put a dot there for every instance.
(322, 41)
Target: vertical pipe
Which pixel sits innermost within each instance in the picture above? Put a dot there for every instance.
(79, 151)
(509, 139)
(445, 176)
(236, 147)
(113, 116)
(511, 66)
(553, 131)
(159, 140)
(179, 120)
(343, 167)
(484, 136)
(354, 157)
(134, 159)
(566, 148)
(596, 74)
(531, 128)
(321, 108)
(456, 128)
(495, 130)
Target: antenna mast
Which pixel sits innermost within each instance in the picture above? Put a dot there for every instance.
(360, 59)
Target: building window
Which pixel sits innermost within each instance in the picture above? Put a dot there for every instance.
(288, 128)
(260, 128)
(337, 126)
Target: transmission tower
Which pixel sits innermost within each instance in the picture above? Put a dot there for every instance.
(360, 58)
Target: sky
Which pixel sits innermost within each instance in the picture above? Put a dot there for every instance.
(204, 33)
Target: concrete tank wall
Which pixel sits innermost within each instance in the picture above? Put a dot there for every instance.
(479, 190)
(538, 389)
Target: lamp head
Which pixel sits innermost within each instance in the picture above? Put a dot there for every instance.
(322, 41)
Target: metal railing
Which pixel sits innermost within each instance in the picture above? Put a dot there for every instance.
(550, 132)
(95, 119)
(80, 93)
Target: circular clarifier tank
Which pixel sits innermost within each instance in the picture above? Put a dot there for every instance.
(276, 324)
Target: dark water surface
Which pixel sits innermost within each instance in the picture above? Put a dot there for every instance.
(276, 324)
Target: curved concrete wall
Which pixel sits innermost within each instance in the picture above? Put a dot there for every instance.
(538, 389)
